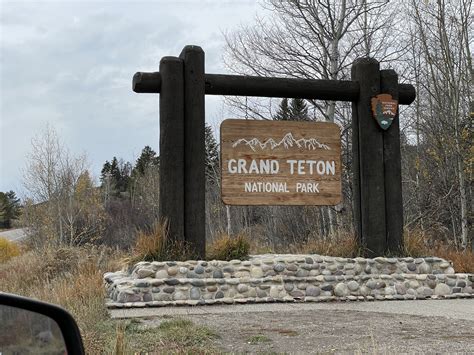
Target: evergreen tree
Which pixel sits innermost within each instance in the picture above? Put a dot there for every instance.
(9, 208)
(115, 170)
(212, 153)
(105, 172)
(283, 113)
(116, 175)
(125, 171)
(147, 158)
(298, 110)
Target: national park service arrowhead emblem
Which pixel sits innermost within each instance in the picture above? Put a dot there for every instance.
(384, 109)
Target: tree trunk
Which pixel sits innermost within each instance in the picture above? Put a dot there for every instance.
(463, 202)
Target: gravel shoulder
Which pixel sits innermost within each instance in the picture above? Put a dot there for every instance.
(441, 326)
(324, 331)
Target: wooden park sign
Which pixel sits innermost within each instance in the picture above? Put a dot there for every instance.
(280, 162)
(375, 165)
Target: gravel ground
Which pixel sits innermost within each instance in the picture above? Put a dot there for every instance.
(340, 332)
(445, 326)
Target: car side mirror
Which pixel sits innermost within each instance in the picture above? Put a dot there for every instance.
(29, 326)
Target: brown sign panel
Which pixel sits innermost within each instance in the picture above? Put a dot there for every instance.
(280, 162)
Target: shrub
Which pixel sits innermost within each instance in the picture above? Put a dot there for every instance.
(153, 245)
(229, 248)
(8, 250)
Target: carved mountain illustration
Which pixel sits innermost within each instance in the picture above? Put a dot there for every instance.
(288, 141)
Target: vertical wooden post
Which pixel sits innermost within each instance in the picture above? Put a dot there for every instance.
(194, 150)
(369, 155)
(356, 173)
(172, 146)
(392, 169)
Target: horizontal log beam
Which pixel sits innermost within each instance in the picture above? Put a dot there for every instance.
(146, 83)
(239, 85)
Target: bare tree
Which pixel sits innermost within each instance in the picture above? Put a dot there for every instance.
(61, 192)
(314, 39)
(444, 77)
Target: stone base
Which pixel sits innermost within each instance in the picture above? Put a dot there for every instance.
(285, 278)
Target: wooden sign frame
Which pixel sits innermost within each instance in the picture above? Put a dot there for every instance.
(376, 165)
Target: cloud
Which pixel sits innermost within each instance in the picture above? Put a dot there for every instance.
(71, 64)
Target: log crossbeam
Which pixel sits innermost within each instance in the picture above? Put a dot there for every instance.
(240, 85)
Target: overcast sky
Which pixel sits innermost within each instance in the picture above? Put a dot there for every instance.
(70, 64)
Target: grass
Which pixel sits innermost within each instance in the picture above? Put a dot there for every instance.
(416, 245)
(228, 248)
(257, 339)
(72, 278)
(69, 277)
(343, 245)
(186, 334)
(8, 250)
(171, 336)
(153, 245)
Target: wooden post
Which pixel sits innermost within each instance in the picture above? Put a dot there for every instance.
(392, 169)
(355, 168)
(172, 146)
(194, 150)
(370, 200)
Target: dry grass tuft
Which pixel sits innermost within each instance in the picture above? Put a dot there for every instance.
(414, 243)
(182, 334)
(8, 250)
(463, 261)
(344, 245)
(228, 248)
(120, 346)
(153, 245)
(417, 244)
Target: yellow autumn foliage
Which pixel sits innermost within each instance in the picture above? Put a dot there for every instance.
(8, 250)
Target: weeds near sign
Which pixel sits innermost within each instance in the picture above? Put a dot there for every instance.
(344, 245)
(226, 247)
(463, 261)
(154, 245)
(417, 244)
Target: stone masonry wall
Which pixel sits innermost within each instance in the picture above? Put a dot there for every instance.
(285, 278)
